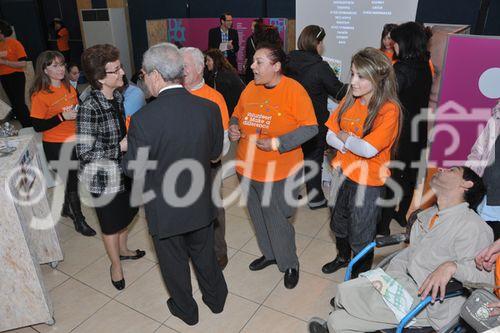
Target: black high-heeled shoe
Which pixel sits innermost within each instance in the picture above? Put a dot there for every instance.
(120, 285)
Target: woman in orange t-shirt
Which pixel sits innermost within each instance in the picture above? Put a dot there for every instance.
(274, 116)
(12, 62)
(364, 129)
(386, 42)
(62, 36)
(54, 105)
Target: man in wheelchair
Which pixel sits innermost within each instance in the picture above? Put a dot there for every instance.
(444, 241)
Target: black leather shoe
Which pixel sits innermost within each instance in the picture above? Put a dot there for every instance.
(261, 263)
(176, 312)
(291, 278)
(317, 325)
(334, 265)
(138, 254)
(120, 285)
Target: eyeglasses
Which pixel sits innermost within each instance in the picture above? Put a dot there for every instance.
(116, 71)
(57, 65)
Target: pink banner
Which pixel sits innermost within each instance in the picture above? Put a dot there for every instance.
(469, 89)
(194, 32)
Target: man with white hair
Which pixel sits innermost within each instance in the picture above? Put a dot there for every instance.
(182, 132)
(194, 64)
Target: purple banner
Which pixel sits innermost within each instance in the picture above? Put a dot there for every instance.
(469, 90)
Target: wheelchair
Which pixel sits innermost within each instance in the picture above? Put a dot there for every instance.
(453, 289)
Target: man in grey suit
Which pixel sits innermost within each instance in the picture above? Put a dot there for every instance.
(182, 134)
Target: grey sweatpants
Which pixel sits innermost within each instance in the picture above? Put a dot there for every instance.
(275, 234)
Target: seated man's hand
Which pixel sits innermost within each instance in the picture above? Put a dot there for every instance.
(436, 281)
(495, 307)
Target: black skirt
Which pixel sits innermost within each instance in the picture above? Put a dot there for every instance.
(117, 214)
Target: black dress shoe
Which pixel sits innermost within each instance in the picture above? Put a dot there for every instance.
(317, 325)
(176, 312)
(261, 263)
(291, 278)
(120, 285)
(334, 265)
(138, 254)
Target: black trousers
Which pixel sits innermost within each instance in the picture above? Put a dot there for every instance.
(407, 180)
(14, 86)
(174, 254)
(52, 151)
(314, 151)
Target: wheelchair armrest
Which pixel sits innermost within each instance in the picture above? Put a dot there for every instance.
(454, 286)
(390, 240)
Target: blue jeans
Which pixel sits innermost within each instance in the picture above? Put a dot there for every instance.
(358, 223)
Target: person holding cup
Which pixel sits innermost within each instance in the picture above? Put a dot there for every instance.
(54, 105)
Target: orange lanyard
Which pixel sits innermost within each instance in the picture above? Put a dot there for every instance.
(433, 220)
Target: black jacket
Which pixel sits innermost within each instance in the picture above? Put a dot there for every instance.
(177, 126)
(214, 40)
(414, 87)
(229, 84)
(319, 80)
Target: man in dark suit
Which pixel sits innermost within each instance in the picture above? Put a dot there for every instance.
(225, 39)
(179, 134)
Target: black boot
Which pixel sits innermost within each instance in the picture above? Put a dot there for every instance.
(364, 265)
(66, 209)
(342, 259)
(79, 220)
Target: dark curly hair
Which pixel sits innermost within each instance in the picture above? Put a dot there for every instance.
(475, 194)
(412, 39)
(5, 28)
(275, 53)
(94, 60)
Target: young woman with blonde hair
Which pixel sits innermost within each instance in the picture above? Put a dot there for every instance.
(365, 130)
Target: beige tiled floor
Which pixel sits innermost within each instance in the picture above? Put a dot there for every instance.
(85, 301)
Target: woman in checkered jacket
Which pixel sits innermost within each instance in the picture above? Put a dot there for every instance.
(101, 141)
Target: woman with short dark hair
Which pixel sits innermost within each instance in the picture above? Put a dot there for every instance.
(414, 77)
(223, 77)
(307, 66)
(12, 63)
(101, 142)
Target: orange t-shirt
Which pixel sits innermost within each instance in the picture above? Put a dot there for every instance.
(367, 171)
(46, 105)
(389, 54)
(268, 113)
(214, 96)
(63, 39)
(497, 277)
(15, 51)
